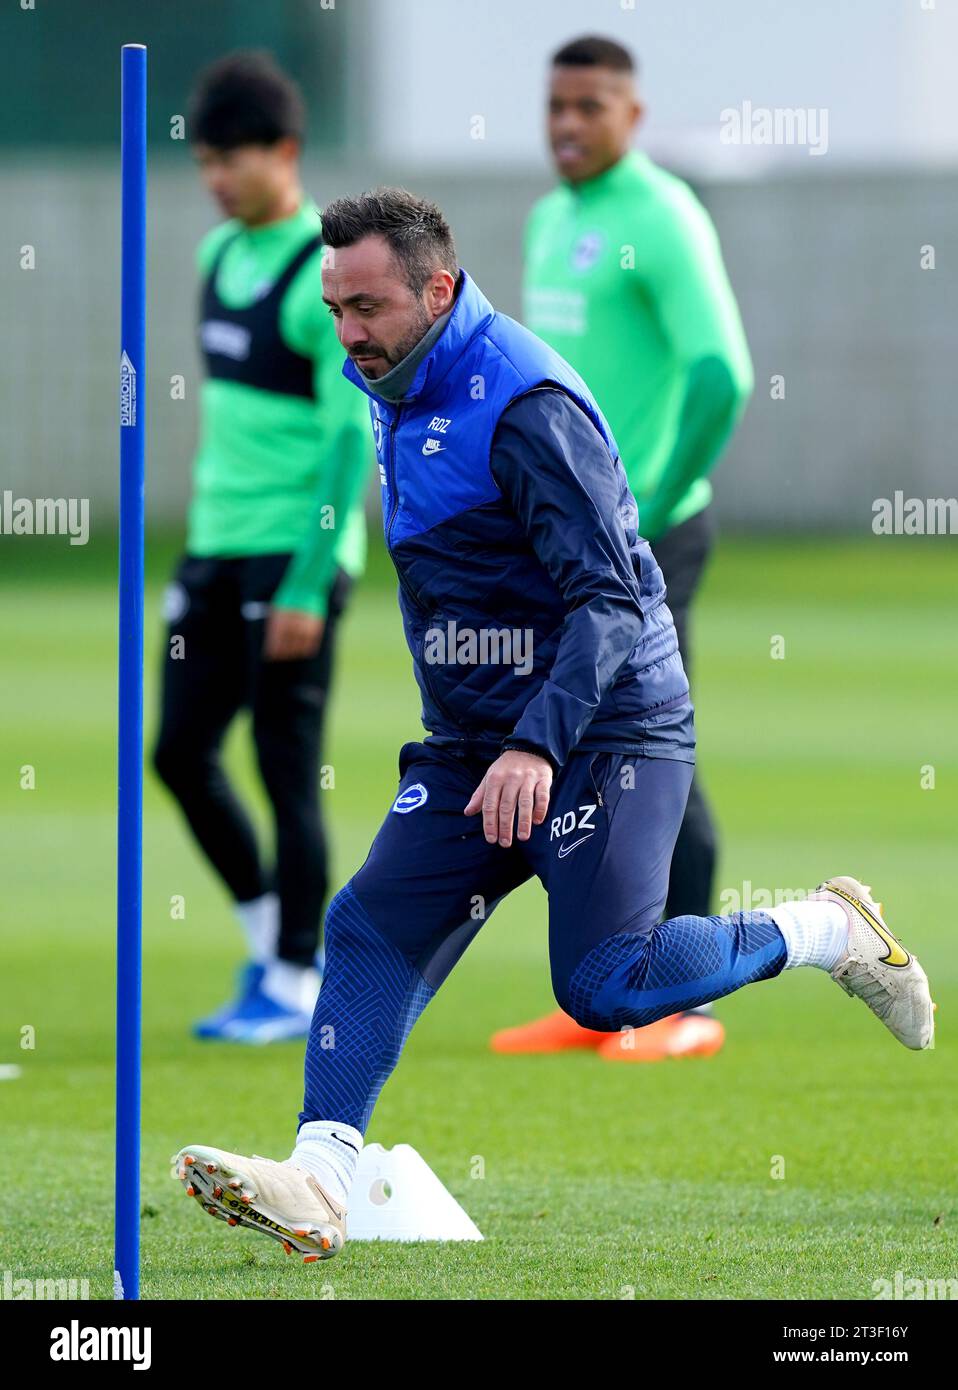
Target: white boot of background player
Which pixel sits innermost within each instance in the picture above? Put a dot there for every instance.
(276, 997)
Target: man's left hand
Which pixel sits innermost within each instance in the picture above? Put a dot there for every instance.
(515, 781)
(292, 635)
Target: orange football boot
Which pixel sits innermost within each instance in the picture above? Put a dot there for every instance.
(679, 1035)
(557, 1032)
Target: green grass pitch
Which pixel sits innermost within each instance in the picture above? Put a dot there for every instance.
(589, 1180)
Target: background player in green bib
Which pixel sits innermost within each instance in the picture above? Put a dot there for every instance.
(275, 537)
(624, 277)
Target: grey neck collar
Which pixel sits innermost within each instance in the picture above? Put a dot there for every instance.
(393, 386)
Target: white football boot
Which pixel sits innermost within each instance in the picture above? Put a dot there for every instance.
(877, 968)
(279, 1199)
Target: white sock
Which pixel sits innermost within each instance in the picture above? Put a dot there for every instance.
(816, 933)
(259, 919)
(330, 1152)
(293, 986)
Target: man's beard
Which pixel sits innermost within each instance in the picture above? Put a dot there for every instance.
(404, 347)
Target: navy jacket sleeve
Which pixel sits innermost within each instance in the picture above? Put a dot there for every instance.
(554, 469)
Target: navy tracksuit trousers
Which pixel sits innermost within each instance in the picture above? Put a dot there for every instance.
(430, 880)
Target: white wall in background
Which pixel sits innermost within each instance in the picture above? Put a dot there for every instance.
(882, 69)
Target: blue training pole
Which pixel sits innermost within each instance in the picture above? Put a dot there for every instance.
(129, 878)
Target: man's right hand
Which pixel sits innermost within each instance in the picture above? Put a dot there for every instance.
(516, 782)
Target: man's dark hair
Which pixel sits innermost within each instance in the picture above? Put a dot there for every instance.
(415, 229)
(593, 52)
(245, 99)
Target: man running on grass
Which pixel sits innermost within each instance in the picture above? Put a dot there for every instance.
(560, 731)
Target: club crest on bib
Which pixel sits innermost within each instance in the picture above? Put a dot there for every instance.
(176, 601)
(410, 799)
